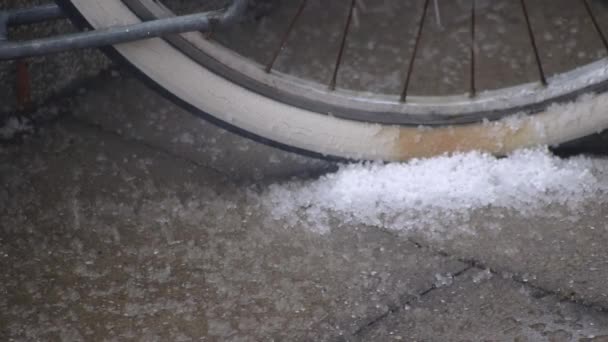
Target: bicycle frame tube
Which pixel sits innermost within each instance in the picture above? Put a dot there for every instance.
(107, 36)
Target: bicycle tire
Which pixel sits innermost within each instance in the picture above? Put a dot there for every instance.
(311, 130)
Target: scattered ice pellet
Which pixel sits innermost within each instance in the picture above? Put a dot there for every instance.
(482, 275)
(443, 280)
(13, 126)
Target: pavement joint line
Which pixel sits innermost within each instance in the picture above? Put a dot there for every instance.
(473, 263)
(395, 308)
(409, 301)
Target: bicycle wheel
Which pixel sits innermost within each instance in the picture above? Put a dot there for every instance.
(330, 112)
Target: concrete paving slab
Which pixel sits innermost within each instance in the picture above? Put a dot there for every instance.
(556, 248)
(104, 239)
(482, 307)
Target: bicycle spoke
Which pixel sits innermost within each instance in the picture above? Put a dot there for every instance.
(475, 46)
(332, 83)
(286, 35)
(410, 67)
(472, 91)
(596, 25)
(541, 72)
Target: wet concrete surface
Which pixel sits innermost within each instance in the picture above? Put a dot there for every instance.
(481, 307)
(104, 238)
(133, 220)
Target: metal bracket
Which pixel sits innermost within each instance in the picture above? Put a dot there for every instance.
(106, 36)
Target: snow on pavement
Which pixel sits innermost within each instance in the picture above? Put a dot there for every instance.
(439, 193)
